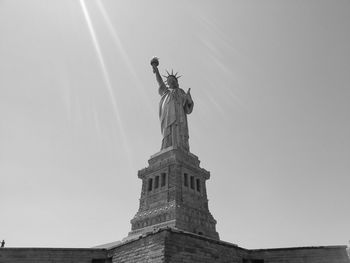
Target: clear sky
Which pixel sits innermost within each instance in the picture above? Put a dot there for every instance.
(79, 116)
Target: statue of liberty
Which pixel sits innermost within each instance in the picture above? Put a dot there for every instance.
(174, 106)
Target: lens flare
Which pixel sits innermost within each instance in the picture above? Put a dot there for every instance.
(106, 77)
(120, 47)
(115, 37)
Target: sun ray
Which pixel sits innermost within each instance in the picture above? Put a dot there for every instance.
(106, 78)
(120, 46)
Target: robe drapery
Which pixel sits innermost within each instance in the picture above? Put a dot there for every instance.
(174, 106)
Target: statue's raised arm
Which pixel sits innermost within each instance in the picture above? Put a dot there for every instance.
(174, 106)
(154, 64)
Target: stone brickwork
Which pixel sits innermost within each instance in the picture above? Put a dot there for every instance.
(329, 254)
(53, 255)
(172, 246)
(186, 248)
(174, 195)
(146, 249)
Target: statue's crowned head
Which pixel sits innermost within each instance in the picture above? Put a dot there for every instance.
(172, 79)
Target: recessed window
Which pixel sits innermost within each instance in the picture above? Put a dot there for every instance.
(156, 182)
(186, 180)
(163, 179)
(192, 182)
(198, 185)
(150, 183)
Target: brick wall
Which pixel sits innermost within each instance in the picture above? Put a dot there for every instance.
(52, 255)
(174, 246)
(148, 249)
(183, 247)
(329, 254)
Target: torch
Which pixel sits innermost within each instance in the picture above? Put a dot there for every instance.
(154, 63)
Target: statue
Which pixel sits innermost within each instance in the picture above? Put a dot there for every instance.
(174, 106)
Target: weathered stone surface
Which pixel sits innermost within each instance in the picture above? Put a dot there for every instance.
(146, 249)
(53, 255)
(327, 254)
(174, 195)
(172, 246)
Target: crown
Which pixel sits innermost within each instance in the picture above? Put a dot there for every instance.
(171, 75)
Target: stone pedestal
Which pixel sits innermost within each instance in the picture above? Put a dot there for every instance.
(174, 195)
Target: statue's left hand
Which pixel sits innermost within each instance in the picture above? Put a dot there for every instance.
(189, 97)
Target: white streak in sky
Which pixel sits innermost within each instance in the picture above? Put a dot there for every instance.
(119, 45)
(116, 37)
(106, 77)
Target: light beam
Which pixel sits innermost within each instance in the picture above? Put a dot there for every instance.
(106, 77)
(120, 46)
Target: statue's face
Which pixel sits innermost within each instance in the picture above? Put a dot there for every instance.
(172, 82)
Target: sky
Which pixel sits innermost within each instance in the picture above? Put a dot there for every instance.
(79, 116)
